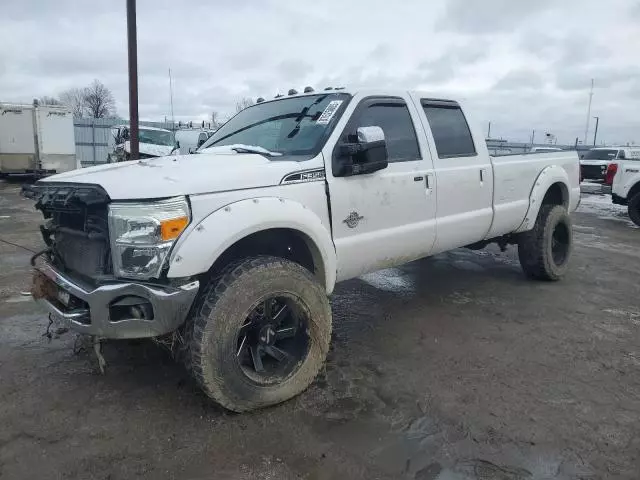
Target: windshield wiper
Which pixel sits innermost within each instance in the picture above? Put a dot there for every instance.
(254, 149)
(240, 148)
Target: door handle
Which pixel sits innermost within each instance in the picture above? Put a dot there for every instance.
(482, 172)
(428, 183)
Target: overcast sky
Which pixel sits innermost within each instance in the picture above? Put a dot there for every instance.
(522, 64)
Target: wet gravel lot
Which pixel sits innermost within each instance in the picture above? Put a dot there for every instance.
(449, 368)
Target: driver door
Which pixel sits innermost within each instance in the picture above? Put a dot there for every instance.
(387, 217)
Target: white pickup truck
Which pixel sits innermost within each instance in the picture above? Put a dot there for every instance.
(231, 253)
(625, 188)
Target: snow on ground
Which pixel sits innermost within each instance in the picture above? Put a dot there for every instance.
(601, 206)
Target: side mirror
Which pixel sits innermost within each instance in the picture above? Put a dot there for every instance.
(201, 142)
(177, 144)
(367, 155)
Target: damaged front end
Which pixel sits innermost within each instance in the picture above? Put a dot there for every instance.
(74, 276)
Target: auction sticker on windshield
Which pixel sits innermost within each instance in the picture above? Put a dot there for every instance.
(329, 112)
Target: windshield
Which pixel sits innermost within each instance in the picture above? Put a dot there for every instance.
(291, 126)
(157, 137)
(600, 155)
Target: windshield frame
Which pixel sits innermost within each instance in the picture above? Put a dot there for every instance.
(297, 155)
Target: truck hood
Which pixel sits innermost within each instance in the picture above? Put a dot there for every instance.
(151, 149)
(182, 175)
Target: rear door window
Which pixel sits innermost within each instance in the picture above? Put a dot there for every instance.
(450, 129)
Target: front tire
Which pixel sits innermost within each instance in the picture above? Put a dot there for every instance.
(260, 334)
(544, 251)
(634, 209)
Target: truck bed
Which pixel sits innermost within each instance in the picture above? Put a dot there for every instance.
(514, 178)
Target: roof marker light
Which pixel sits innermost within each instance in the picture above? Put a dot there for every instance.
(308, 89)
(293, 91)
(260, 100)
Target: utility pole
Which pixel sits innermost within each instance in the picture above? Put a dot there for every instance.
(132, 45)
(489, 132)
(586, 129)
(533, 135)
(173, 120)
(595, 134)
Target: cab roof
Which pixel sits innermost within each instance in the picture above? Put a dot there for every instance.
(388, 92)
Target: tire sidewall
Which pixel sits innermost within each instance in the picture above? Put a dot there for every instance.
(634, 209)
(557, 215)
(222, 376)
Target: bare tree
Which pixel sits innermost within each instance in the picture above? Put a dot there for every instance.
(46, 100)
(244, 103)
(98, 100)
(74, 99)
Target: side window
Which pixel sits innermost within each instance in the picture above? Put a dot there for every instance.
(450, 130)
(396, 123)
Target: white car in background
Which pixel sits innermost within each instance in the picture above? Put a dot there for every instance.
(625, 180)
(154, 142)
(191, 140)
(595, 162)
(545, 149)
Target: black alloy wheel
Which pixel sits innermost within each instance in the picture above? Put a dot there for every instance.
(273, 341)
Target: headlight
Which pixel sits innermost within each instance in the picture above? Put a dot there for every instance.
(143, 233)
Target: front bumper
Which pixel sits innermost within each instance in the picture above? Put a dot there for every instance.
(169, 305)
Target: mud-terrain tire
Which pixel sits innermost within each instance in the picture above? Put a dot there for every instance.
(227, 304)
(544, 251)
(634, 209)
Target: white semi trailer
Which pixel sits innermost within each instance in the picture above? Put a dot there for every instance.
(36, 139)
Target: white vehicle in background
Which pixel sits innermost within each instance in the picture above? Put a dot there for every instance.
(625, 183)
(545, 149)
(154, 142)
(36, 139)
(231, 253)
(595, 162)
(191, 140)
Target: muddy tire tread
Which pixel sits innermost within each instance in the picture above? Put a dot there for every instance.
(201, 325)
(532, 252)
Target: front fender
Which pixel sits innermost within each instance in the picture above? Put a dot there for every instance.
(547, 177)
(206, 241)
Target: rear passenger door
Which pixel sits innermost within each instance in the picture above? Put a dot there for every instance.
(386, 217)
(464, 176)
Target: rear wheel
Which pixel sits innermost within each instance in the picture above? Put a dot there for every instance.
(634, 209)
(260, 334)
(545, 250)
